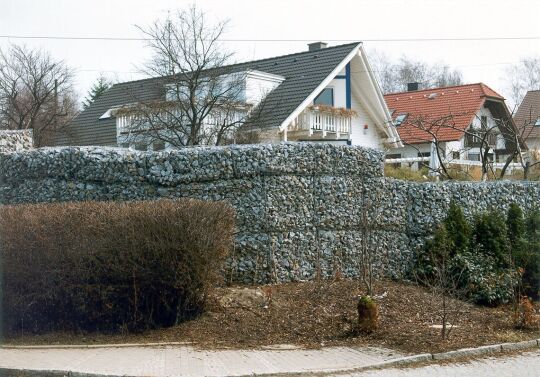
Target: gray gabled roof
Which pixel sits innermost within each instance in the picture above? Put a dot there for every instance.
(303, 72)
(527, 114)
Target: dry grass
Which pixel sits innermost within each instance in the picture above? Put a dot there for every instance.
(459, 173)
(323, 313)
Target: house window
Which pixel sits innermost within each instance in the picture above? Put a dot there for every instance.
(483, 122)
(474, 156)
(400, 119)
(455, 156)
(326, 97)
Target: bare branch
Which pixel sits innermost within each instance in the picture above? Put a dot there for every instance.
(36, 92)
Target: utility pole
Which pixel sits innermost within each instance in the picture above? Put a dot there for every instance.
(55, 107)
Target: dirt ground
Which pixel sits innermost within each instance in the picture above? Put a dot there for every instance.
(315, 314)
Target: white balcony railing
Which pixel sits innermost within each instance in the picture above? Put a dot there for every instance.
(325, 121)
(131, 121)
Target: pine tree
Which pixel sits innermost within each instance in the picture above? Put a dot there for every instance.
(491, 237)
(100, 86)
(531, 276)
(515, 224)
(458, 229)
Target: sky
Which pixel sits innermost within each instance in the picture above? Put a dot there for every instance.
(264, 28)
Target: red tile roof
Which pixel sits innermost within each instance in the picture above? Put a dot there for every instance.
(461, 103)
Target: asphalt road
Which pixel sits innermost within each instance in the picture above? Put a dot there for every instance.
(526, 364)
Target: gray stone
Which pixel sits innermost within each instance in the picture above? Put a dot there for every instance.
(519, 345)
(303, 210)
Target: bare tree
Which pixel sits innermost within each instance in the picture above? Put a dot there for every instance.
(203, 100)
(36, 93)
(393, 77)
(443, 281)
(516, 136)
(522, 77)
(481, 137)
(431, 129)
(370, 257)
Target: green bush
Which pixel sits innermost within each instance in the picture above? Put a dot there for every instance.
(110, 266)
(479, 254)
(530, 259)
(490, 238)
(458, 229)
(481, 279)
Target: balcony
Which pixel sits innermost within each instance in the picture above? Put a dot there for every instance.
(475, 140)
(321, 121)
(136, 126)
(129, 121)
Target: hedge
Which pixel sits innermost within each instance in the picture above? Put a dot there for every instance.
(108, 266)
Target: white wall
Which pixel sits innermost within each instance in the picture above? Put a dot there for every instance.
(364, 137)
(359, 135)
(258, 85)
(340, 92)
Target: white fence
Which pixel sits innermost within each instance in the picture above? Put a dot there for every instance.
(412, 160)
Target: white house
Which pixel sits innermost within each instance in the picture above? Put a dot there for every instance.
(325, 94)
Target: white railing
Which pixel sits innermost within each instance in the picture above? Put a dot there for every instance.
(125, 122)
(128, 122)
(410, 160)
(324, 121)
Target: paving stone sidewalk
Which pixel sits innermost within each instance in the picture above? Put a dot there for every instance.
(523, 365)
(188, 361)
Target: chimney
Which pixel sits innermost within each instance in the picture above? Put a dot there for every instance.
(315, 46)
(412, 86)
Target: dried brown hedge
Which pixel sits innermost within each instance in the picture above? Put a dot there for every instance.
(110, 266)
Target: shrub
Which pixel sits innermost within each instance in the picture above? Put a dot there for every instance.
(484, 282)
(476, 259)
(531, 258)
(524, 317)
(435, 252)
(458, 229)
(490, 237)
(110, 266)
(368, 314)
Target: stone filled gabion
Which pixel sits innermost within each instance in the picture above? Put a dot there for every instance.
(300, 207)
(15, 140)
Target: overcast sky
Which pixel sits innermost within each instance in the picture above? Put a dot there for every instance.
(337, 21)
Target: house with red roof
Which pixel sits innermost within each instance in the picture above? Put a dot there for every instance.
(453, 116)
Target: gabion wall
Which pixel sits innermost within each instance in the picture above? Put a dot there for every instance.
(15, 140)
(303, 210)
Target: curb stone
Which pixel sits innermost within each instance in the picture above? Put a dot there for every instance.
(425, 357)
(401, 361)
(10, 372)
(468, 352)
(520, 345)
(85, 346)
